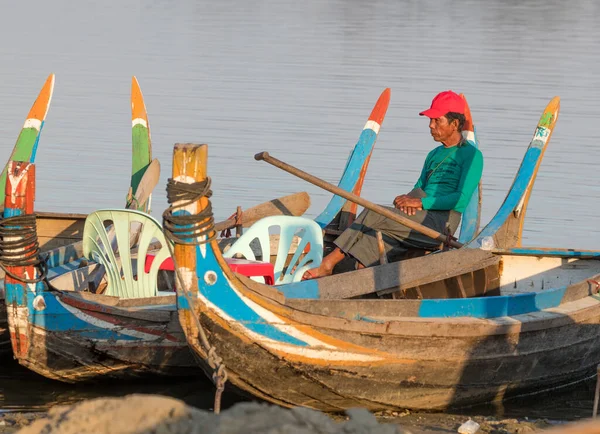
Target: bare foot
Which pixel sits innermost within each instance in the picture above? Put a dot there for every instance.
(315, 273)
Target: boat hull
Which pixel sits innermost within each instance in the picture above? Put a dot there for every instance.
(68, 338)
(410, 363)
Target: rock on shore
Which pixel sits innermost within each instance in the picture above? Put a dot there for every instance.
(153, 414)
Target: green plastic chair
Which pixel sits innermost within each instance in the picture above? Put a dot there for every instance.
(289, 226)
(110, 246)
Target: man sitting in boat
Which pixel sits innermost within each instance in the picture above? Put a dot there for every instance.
(449, 177)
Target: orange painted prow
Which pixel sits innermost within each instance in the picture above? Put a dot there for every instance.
(138, 107)
(39, 110)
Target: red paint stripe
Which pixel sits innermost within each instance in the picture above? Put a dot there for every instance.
(110, 316)
(20, 344)
(468, 118)
(380, 109)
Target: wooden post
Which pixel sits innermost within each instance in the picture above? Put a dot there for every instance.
(189, 166)
(18, 200)
(238, 222)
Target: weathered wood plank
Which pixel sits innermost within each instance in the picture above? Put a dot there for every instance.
(389, 278)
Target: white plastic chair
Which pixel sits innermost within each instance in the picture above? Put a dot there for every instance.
(306, 229)
(98, 242)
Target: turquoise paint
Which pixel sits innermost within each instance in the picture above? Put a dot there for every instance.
(307, 289)
(35, 145)
(492, 307)
(63, 269)
(555, 252)
(56, 318)
(222, 295)
(470, 217)
(69, 254)
(359, 317)
(15, 294)
(182, 302)
(350, 176)
(522, 180)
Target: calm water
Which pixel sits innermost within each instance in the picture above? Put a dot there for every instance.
(298, 79)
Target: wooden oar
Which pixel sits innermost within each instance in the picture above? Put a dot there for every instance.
(294, 204)
(148, 182)
(356, 199)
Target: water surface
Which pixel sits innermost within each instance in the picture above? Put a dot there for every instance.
(299, 79)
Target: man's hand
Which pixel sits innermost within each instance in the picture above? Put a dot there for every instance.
(407, 204)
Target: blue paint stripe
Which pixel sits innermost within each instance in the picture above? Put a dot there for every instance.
(470, 216)
(515, 194)
(35, 145)
(14, 293)
(308, 289)
(492, 307)
(350, 176)
(69, 253)
(56, 318)
(62, 269)
(554, 252)
(221, 294)
(11, 212)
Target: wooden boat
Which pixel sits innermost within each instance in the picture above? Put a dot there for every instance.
(61, 229)
(68, 333)
(532, 326)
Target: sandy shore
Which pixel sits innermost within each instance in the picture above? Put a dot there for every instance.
(160, 414)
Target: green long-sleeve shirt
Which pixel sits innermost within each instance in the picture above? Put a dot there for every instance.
(450, 176)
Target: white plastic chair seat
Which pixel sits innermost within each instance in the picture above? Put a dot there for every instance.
(99, 244)
(307, 230)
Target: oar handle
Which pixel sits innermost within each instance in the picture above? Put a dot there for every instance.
(356, 199)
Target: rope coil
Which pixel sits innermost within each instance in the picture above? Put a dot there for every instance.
(19, 247)
(186, 230)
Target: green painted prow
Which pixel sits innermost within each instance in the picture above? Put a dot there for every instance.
(26, 146)
(141, 155)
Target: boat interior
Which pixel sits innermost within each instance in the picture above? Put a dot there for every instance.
(459, 273)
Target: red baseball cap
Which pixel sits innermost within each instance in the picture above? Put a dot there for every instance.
(443, 103)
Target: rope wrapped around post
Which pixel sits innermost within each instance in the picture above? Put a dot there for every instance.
(19, 247)
(182, 228)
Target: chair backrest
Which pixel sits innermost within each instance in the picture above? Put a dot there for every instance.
(107, 240)
(308, 232)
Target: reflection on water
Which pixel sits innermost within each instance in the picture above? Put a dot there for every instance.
(23, 390)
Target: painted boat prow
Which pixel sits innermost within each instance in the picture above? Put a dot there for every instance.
(141, 155)
(472, 215)
(25, 148)
(356, 166)
(506, 227)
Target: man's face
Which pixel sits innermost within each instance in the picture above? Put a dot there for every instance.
(440, 129)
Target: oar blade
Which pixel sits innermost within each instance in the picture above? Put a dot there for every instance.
(472, 214)
(141, 151)
(147, 184)
(294, 204)
(338, 214)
